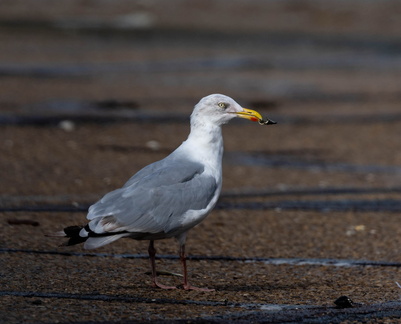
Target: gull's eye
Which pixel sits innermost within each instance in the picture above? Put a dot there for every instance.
(222, 105)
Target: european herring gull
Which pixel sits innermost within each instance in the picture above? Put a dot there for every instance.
(168, 197)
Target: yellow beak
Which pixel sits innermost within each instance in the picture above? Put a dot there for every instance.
(249, 114)
(254, 116)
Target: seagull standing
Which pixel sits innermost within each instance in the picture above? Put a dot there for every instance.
(168, 197)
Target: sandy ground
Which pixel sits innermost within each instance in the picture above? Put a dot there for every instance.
(310, 211)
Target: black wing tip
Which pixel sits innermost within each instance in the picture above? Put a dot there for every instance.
(72, 232)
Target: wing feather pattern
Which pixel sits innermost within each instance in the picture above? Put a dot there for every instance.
(154, 199)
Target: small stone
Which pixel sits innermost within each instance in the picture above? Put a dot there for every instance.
(67, 125)
(153, 145)
(344, 302)
(37, 302)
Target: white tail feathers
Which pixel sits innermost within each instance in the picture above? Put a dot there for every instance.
(95, 242)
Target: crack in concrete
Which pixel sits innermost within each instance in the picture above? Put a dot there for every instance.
(272, 261)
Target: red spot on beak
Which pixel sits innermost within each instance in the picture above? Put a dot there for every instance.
(254, 119)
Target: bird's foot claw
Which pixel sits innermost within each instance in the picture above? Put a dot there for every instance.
(190, 287)
(159, 285)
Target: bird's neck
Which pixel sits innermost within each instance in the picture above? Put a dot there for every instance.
(206, 134)
(207, 141)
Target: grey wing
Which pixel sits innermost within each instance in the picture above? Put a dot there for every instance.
(171, 202)
(147, 170)
(155, 202)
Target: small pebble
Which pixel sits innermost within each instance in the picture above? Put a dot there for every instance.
(37, 302)
(67, 125)
(344, 302)
(153, 145)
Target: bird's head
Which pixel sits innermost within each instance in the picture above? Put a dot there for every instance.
(220, 109)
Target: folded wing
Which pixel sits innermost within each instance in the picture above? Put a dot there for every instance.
(154, 200)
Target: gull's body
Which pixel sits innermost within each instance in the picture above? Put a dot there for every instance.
(167, 198)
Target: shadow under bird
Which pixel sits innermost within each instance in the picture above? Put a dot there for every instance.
(168, 197)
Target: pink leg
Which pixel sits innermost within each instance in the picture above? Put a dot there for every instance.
(186, 285)
(152, 254)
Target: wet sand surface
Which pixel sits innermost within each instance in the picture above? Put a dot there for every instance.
(310, 210)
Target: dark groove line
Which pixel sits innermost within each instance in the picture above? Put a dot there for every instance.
(308, 192)
(343, 205)
(236, 193)
(321, 62)
(47, 208)
(196, 64)
(273, 261)
(266, 159)
(260, 312)
(226, 194)
(389, 46)
(112, 298)
(382, 205)
(54, 120)
(390, 310)
(134, 299)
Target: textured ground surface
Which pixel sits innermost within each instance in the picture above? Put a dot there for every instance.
(93, 91)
